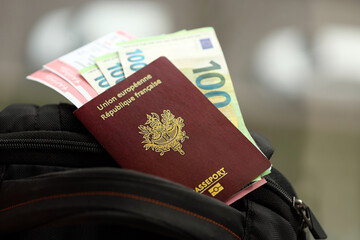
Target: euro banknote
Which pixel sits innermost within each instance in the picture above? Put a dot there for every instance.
(198, 55)
(95, 78)
(111, 67)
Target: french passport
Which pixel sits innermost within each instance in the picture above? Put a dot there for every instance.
(157, 122)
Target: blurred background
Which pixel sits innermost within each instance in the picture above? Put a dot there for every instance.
(295, 66)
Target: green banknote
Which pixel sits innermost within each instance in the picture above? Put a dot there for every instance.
(95, 78)
(111, 68)
(198, 55)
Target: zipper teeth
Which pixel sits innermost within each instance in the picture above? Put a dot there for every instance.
(48, 144)
(273, 185)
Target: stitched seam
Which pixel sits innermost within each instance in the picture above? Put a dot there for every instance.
(119, 194)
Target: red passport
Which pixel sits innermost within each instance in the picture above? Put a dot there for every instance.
(156, 121)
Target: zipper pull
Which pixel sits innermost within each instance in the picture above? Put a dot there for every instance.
(308, 219)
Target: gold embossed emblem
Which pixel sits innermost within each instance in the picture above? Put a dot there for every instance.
(163, 134)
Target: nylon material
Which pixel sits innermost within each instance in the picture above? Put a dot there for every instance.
(26, 117)
(49, 118)
(279, 229)
(272, 201)
(59, 206)
(18, 117)
(263, 144)
(68, 121)
(60, 117)
(52, 135)
(280, 179)
(179, 196)
(88, 232)
(74, 159)
(2, 173)
(20, 171)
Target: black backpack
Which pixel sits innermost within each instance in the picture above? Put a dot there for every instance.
(57, 182)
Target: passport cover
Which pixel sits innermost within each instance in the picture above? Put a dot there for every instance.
(156, 121)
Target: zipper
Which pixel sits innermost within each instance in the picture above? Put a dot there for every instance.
(303, 211)
(308, 219)
(49, 144)
(273, 185)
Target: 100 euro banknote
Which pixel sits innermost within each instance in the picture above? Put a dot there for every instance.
(111, 68)
(95, 78)
(198, 55)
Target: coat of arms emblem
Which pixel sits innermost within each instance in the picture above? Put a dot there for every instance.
(163, 134)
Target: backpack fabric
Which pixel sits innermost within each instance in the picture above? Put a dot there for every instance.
(57, 182)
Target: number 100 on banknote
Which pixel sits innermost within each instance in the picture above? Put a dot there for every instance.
(198, 55)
